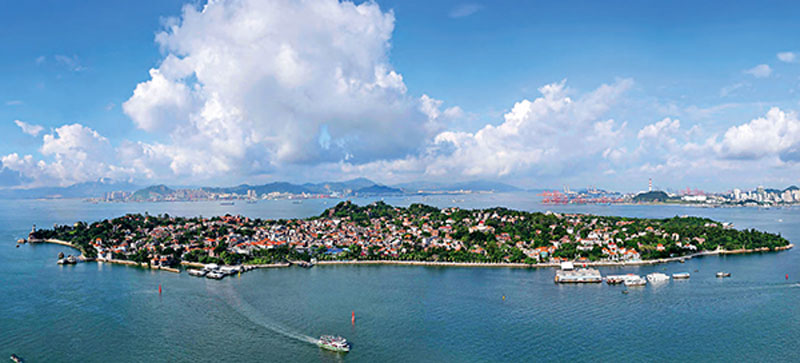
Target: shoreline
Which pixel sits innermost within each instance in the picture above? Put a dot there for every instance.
(439, 263)
(138, 264)
(550, 264)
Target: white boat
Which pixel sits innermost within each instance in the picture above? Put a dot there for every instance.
(723, 274)
(681, 275)
(635, 281)
(656, 277)
(229, 270)
(619, 279)
(334, 343)
(215, 275)
(198, 273)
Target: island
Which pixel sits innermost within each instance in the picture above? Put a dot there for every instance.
(417, 234)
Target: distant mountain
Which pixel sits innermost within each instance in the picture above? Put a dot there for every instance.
(309, 188)
(79, 190)
(476, 185)
(378, 190)
(155, 192)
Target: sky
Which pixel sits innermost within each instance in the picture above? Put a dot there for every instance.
(537, 94)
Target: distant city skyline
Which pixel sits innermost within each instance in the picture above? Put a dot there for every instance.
(533, 94)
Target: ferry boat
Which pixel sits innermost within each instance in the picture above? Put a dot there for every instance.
(681, 275)
(635, 281)
(334, 343)
(723, 274)
(657, 277)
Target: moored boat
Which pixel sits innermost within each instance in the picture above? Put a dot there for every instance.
(722, 274)
(656, 277)
(680, 275)
(215, 275)
(196, 272)
(70, 260)
(635, 281)
(333, 343)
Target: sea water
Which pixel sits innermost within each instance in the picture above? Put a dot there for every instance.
(94, 312)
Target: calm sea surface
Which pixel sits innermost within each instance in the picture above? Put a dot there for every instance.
(100, 313)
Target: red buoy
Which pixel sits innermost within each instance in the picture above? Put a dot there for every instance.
(353, 318)
(159, 289)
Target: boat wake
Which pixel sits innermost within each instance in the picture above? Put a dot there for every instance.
(254, 315)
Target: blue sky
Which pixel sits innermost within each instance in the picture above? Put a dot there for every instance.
(240, 93)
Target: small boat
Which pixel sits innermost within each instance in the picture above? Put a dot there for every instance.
(16, 358)
(196, 272)
(656, 277)
(681, 275)
(227, 203)
(635, 281)
(682, 261)
(722, 274)
(216, 275)
(70, 260)
(333, 343)
(625, 292)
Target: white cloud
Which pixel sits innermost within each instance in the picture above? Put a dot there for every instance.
(14, 102)
(72, 153)
(788, 57)
(159, 104)
(775, 134)
(543, 136)
(29, 129)
(661, 129)
(464, 10)
(251, 85)
(759, 71)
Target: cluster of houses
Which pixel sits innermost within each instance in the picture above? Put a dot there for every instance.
(385, 236)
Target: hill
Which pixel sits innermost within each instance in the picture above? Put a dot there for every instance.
(654, 196)
(155, 192)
